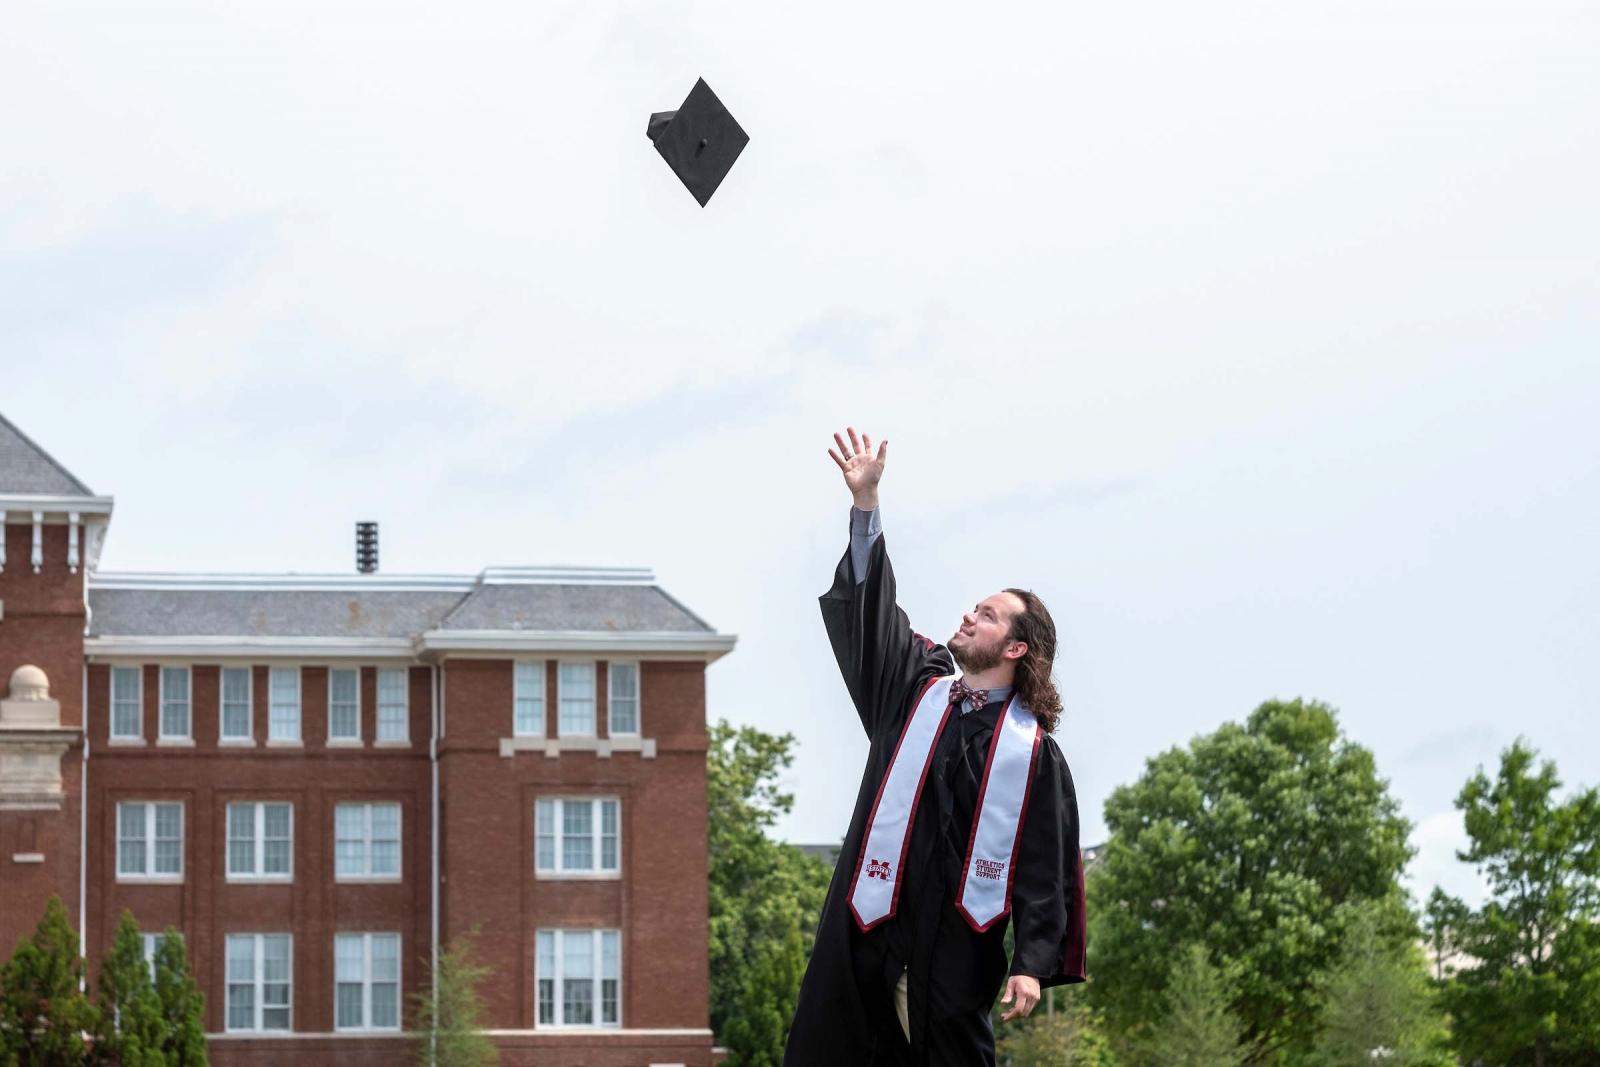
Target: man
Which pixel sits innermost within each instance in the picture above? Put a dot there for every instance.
(965, 820)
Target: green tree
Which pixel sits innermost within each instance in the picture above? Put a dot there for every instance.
(182, 1007)
(43, 1011)
(1527, 990)
(130, 1028)
(765, 896)
(449, 1017)
(1250, 841)
(1195, 1026)
(1380, 1004)
(1073, 1036)
(1442, 921)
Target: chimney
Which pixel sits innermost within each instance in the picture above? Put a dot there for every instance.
(366, 547)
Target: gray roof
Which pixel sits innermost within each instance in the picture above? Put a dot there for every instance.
(27, 468)
(573, 607)
(265, 612)
(153, 611)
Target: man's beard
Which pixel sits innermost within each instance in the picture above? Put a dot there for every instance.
(976, 658)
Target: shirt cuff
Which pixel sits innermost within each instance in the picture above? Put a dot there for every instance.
(868, 524)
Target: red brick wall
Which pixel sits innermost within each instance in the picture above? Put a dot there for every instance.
(659, 903)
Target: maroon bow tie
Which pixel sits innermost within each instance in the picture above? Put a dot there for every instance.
(960, 690)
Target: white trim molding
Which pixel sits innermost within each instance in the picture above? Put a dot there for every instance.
(211, 647)
(691, 644)
(86, 505)
(602, 747)
(568, 576)
(304, 583)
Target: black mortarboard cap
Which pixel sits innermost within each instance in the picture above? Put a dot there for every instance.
(699, 141)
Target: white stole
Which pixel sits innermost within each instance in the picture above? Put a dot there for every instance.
(985, 892)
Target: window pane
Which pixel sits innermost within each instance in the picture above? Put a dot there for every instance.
(174, 702)
(241, 1006)
(241, 838)
(577, 698)
(283, 719)
(609, 953)
(385, 1005)
(529, 698)
(236, 702)
(125, 711)
(344, 705)
(577, 954)
(169, 839)
(547, 1001)
(577, 1002)
(623, 698)
(275, 958)
(577, 854)
(349, 958)
(392, 705)
(608, 835)
(547, 953)
(385, 957)
(130, 839)
(350, 840)
(348, 997)
(608, 1001)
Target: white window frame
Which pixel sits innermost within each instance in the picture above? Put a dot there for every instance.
(344, 739)
(149, 874)
(258, 984)
(138, 700)
(162, 737)
(248, 737)
(596, 805)
(537, 666)
(558, 1006)
(273, 674)
(638, 698)
(257, 873)
(366, 837)
(404, 736)
(561, 697)
(367, 983)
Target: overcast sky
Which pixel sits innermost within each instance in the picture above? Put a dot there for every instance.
(1261, 338)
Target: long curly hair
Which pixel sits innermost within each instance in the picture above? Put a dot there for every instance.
(1035, 687)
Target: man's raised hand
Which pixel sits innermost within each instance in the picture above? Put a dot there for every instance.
(862, 470)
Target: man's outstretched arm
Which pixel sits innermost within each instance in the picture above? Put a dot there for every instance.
(881, 660)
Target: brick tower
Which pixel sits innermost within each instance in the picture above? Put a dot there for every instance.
(52, 528)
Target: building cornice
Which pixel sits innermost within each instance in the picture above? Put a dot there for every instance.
(208, 647)
(692, 644)
(291, 583)
(55, 505)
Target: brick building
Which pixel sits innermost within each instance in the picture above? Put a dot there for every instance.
(317, 779)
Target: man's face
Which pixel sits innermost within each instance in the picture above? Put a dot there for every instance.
(983, 639)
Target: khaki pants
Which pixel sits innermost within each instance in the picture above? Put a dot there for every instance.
(900, 1006)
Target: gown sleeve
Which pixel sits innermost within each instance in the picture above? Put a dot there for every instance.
(1047, 902)
(881, 659)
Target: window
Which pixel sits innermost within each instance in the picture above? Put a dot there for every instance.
(529, 698)
(344, 705)
(366, 842)
(394, 709)
(151, 943)
(577, 699)
(577, 977)
(576, 835)
(366, 982)
(259, 969)
(260, 841)
(283, 704)
(127, 702)
(149, 841)
(236, 704)
(174, 704)
(622, 699)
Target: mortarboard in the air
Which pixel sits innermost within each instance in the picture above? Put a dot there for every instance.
(699, 141)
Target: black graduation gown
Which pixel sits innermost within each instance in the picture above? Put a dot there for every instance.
(845, 1016)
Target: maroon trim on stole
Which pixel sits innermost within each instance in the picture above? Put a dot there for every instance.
(977, 815)
(911, 816)
(1075, 950)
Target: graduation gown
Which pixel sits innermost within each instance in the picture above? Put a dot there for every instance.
(845, 1016)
